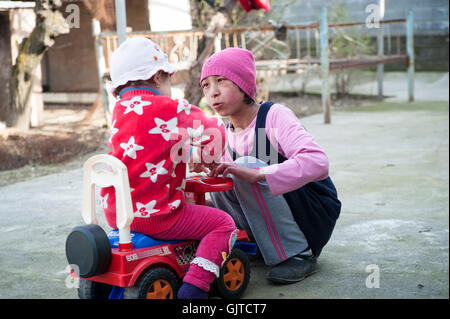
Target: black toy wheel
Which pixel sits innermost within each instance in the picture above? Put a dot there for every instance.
(234, 275)
(156, 283)
(93, 290)
(88, 250)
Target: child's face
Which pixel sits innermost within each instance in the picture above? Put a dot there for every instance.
(222, 95)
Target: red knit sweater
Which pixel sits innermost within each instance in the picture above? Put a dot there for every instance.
(152, 135)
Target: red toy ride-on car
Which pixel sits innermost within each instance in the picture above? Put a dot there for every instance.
(125, 264)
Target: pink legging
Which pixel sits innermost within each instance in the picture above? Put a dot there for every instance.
(215, 229)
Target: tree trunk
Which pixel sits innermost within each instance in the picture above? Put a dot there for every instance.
(103, 11)
(193, 92)
(49, 24)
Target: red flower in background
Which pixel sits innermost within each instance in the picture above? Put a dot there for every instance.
(249, 5)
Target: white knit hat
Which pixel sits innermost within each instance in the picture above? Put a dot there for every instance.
(138, 58)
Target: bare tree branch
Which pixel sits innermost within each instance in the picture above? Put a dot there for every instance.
(193, 92)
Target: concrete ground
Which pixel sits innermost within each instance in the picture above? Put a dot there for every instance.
(428, 85)
(390, 165)
(391, 172)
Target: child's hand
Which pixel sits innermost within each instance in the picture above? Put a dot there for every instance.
(249, 175)
(189, 198)
(197, 168)
(202, 167)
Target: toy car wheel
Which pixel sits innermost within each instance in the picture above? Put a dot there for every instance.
(93, 290)
(234, 275)
(156, 283)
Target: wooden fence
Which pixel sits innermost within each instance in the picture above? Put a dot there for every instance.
(279, 49)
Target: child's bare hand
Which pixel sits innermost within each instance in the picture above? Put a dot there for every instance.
(197, 168)
(189, 198)
(202, 167)
(249, 175)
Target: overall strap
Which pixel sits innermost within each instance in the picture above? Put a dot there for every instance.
(232, 153)
(262, 114)
(260, 123)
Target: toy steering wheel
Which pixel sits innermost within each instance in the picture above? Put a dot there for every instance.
(199, 185)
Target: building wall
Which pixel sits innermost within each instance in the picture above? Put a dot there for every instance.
(70, 64)
(138, 15)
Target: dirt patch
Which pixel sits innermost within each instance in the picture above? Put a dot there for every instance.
(18, 149)
(66, 135)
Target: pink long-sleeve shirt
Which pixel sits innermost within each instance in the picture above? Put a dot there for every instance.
(306, 161)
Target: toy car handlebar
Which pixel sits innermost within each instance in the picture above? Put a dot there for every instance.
(200, 184)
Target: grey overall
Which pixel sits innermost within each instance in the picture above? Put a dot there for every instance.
(267, 219)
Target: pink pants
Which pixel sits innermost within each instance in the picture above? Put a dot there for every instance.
(215, 230)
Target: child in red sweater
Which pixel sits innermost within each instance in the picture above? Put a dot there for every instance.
(150, 133)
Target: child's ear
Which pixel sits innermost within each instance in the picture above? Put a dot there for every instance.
(157, 78)
(154, 79)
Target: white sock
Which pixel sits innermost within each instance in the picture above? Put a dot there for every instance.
(306, 253)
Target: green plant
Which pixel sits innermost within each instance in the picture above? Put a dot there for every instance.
(346, 42)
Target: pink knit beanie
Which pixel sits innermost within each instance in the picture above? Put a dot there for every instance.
(237, 65)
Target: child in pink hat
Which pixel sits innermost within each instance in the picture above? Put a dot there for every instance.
(282, 196)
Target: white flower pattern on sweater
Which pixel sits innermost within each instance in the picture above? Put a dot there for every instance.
(131, 148)
(154, 170)
(112, 131)
(183, 105)
(174, 205)
(135, 104)
(165, 128)
(145, 210)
